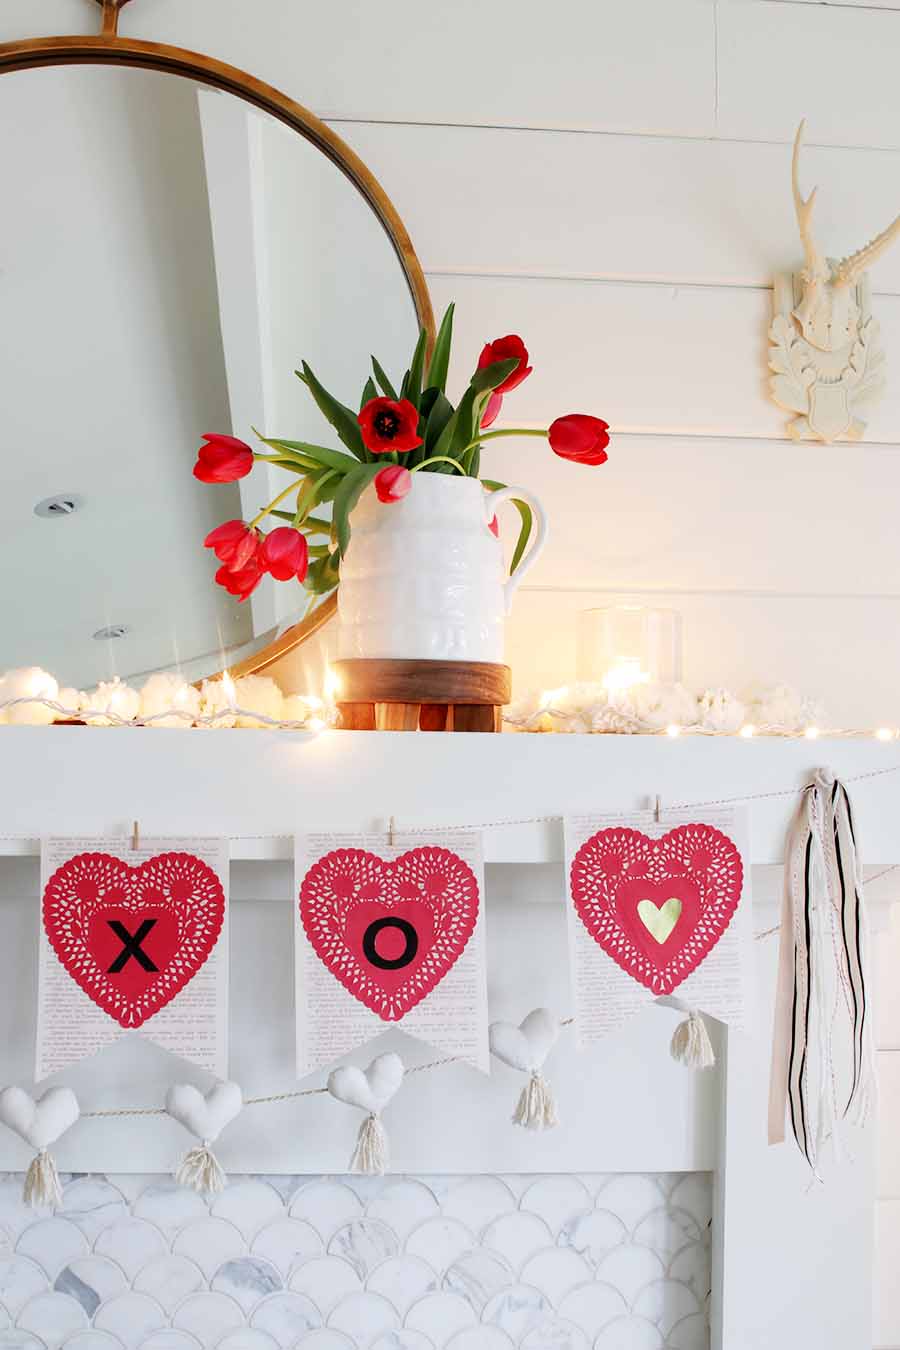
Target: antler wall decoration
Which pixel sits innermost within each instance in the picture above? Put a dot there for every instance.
(825, 348)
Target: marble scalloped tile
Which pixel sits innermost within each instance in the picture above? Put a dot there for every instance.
(403, 1203)
(325, 1280)
(286, 1243)
(249, 1204)
(630, 1268)
(517, 1310)
(210, 1243)
(667, 1229)
(477, 1201)
(555, 1199)
(364, 1316)
(630, 1333)
(52, 1318)
(131, 1243)
(478, 1276)
(555, 1272)
(326, 1204)
(92, 1280)
(631, 1196)
(325, 1339)
(20, 1340)
(93, 1340)
(169, 1207)
(690, 1334)
(364, 1243)
(440, 1315)
(480, 1338)
(92, 1203)
(14, 1213)
(171, 1339)
(555, 1334)
(170, 1280)
(440, 1242)
(52, 1243)
(131, 1317)
(248, 1338)
(403, 1340)
(209, 1316)
(593, 1235)
(517, 1236)
(248, 1279)
(691, 1265)
(401, 1280)
(20, 1279)
(286, 1316)
(666, 1302)
(591, 1306)
(693, 1191)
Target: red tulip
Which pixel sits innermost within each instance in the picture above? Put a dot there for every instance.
(241, 583)
(388, 425)
(492, 411)
(234, 544)
(494, 527)
(393, 483)
(285, 554)
(504, 349)
(580, 438)
(224, 459)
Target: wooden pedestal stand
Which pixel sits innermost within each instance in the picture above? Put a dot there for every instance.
(421, 695)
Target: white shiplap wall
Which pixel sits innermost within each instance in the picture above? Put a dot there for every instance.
(612, 180)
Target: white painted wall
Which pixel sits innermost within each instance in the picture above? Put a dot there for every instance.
(614, 179)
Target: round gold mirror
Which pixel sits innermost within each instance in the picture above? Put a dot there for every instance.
(176, 237)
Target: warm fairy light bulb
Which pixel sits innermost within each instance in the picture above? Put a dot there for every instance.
(747, 731)
(332, 684)
(315, 724)
(551, 696)
(811, 733)
(228, 688)
(673, 730)
(885, 734)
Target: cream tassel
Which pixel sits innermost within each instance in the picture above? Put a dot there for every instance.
(370, 1156)
(691, 1045)
(201, 1171)
(536, 1109)
(42, 1182)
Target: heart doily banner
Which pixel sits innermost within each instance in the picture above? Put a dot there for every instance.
(133, 940)
(658, 909)
(390, 933)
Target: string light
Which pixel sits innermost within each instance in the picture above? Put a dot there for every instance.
(811, 733)
(673, 730)
(885, 734)
(747, 731)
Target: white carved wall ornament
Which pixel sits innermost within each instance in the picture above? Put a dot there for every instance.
(825, 350)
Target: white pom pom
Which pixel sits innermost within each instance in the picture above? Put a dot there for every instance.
(691, 1045)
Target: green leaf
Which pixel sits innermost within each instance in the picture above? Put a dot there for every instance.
(412, 382)
(319, 456)
(526, 516)
(311, 525)
(341, 418)
(369, 392)
(323, 574)
(346, 497)
(440, 357)
(314, 491)
(490, 376)
(437, 418)
(383, 382)
(462, 427)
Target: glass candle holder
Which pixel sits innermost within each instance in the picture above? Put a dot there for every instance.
(626, 644)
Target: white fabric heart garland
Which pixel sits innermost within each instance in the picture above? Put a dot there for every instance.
(525, 1047)
(40, 1123)
(204, 1116)
(370, 1090)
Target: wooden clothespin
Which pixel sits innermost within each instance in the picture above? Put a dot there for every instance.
(135, 837)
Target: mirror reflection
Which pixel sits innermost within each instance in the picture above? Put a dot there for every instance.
(168, 255)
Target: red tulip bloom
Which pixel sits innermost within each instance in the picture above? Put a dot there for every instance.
(388, 425)
(393, 483)
(492, 411)
(285, 554)
(224, 459)
(494, 527)
(234, 544)
(242, 583)
(504, 349)
(580, 438)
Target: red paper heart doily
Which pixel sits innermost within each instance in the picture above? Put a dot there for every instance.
(626, 888)
(389, 931)
(133, 937)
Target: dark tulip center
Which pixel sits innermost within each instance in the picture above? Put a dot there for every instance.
(387, 424)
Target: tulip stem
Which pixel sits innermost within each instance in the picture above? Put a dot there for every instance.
(509, 431)
(292, 487)
(438, 459)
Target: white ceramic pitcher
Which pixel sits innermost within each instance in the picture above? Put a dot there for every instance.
(424, 579)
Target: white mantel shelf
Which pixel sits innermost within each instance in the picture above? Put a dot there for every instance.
(260, 787)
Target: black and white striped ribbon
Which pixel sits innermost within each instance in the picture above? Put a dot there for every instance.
(822, 1066)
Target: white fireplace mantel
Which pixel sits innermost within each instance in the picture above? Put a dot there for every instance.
(792, 1261)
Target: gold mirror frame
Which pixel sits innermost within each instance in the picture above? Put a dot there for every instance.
(111, 49)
